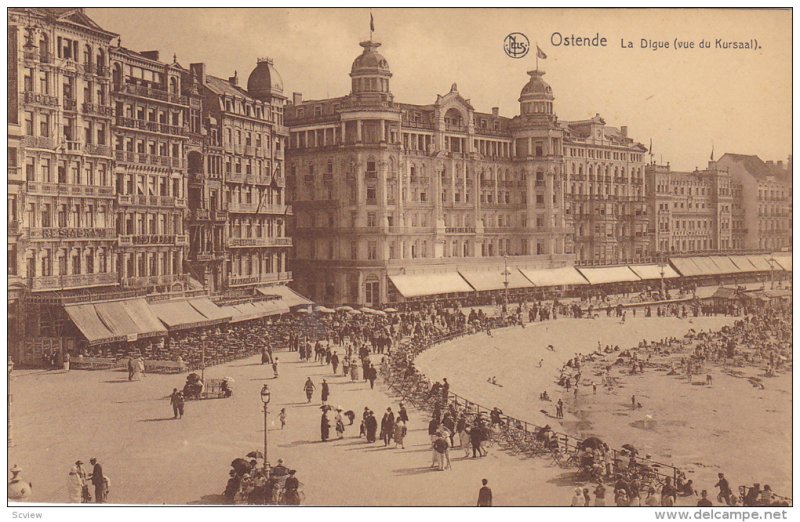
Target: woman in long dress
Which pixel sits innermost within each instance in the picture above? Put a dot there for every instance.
(75, 485)
(399, 433)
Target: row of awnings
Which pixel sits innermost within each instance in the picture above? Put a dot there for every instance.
(467, 281)
(133, 319)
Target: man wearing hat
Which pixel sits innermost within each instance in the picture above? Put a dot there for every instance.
(98, 480)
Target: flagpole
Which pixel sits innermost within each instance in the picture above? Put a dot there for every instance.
(537, 56)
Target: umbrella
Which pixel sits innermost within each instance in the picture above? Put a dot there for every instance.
(591, 442)
(630, 448)
(367, 310)
(241, 466)
(354, 312)
(228, 379)
(345, 308)
(325, 310)
(379, 312)
(390, 310)
(302, 311)
(255, 455)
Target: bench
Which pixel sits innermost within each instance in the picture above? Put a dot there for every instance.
(163, 366)
(94, 363)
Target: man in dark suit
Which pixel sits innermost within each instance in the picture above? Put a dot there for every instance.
(485, 495)
(98, 480)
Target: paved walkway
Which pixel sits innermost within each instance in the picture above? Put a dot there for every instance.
(153, 459)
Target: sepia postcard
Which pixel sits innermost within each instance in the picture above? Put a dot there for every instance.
(399, 257)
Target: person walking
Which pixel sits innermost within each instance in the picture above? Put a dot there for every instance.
(439, 450)
(131, 368)
(371, 426)
(325, 425)
(282, 417)
(309, 388)
(387, 426)
(577, 498)
(98, 481)
(399, 433)
(372, 374)
(403, 414)
(326, 392)
(724, 489)
(485, 494)
(335, 362)
(600, 494)
(339, 423)
(177, 401)
(275, 368)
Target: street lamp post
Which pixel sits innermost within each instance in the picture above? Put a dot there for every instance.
(506, 273)
(663, 290)
(265, 396)
(772, 271)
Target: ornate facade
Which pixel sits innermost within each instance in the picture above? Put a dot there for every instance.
(695, 211)
(381, 187)
(237, 194)
(151, 134)
(61, 198)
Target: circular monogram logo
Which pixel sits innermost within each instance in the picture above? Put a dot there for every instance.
(516, 45)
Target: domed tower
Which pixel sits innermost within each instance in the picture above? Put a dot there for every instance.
(536, 97)
(264, 82)
(370, 75)
(538, 147)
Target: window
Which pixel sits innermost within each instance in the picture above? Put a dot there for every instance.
(371, 195)
(372, 250)
(371, 221)
(353, 250)
(28, 123)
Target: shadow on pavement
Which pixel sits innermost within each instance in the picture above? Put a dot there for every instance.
(158, 419)
(565, 479)
(413, 471)
(209, 500)
(118, 381)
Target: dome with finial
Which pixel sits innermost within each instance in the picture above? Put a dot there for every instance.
(264, 81)
(536, 86)
(370, 60)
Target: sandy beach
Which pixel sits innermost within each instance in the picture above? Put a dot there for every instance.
(690, 425)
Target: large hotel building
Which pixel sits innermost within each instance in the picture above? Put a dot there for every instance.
(382, 188)
(133, 181)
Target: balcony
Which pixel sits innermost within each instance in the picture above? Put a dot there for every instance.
(98, 110)
(147, 159)
(96, 69)
(40, 99)
(38, 56)
(150, 201)
(151, 126)
(144, 91)
(38, 142)
(70, 105)
(72, 147)
(459, 230)
(262, 209)
(14, 227)
(35, 187)
(371, 174)
(250, 242)
(146, 281)
(72, 281)
(97, 150)
(273, 277)
(152, 239)
(63, 233)
(200, 214)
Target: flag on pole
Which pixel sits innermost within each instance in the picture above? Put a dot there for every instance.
(712, 152)
(540, 53)
(371, 23)
(651, 147)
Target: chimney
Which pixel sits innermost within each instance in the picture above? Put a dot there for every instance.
(780, 164)
(624, 131)
(150, 55)
(495, 111)
(199, 70)
(297, 98)
(234, 80)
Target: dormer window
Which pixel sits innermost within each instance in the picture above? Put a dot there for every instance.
(318, 110)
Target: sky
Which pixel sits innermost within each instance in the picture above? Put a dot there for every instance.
(685, 100)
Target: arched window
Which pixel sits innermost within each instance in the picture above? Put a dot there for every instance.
(87, 55)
